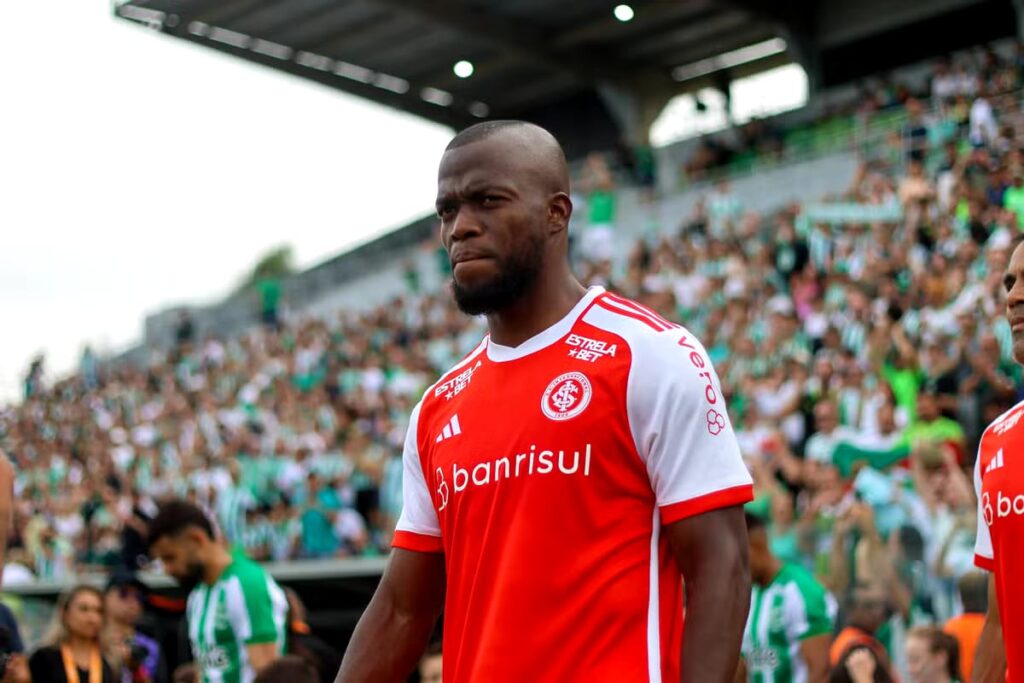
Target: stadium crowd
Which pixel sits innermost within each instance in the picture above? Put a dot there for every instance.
(861, 359)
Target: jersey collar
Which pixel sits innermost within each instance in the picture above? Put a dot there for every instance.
(502, 354)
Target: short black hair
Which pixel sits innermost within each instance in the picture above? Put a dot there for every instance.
(176, 516)
(481, 131)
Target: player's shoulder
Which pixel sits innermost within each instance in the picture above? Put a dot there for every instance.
(246, 570)
(1004, 423)
(637, 325)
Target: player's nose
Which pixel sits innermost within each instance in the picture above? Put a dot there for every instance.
(465, 224)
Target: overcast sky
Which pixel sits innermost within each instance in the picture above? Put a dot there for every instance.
(139, 171)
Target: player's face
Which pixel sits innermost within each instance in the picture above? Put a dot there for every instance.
(179, 557)
(1013, 282)
(492, 220)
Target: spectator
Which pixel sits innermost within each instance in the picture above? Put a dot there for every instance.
(599, 234)
(860, 664)
(304, 643)
(966, 627)
(139, 653)
(73, 648)
(932, 656)
(430, 664)
(288, 668)
(867, 613)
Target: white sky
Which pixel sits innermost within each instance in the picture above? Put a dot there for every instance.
(138, 171)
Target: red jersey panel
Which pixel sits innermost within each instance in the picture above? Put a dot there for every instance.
(545, 473)
(999, 482)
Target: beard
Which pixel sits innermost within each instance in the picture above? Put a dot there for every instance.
(192, 576)
(518, 273)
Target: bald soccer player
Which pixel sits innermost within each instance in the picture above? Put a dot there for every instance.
(564, 476)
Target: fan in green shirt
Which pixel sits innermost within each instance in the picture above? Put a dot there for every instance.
(1013, 198)
(789, 627)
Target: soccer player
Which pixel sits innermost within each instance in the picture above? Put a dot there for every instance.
(999, 484)
(236, 612)
(791, 618)
(562, 480)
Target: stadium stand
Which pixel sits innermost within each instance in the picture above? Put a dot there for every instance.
(851, 303)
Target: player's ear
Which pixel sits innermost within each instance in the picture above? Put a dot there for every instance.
(559, 212)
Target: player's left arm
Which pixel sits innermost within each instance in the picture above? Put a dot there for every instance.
(814, 651)
(711, 550)
(681, 427)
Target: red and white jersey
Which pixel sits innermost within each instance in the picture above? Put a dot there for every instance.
(545, 474)
(999, 482)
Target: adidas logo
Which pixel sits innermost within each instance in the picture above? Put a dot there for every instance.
(993, 464)
(450, 430)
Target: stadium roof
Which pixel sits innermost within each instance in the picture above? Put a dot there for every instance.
(560, 62)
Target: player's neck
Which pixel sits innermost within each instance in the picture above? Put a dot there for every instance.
(216, 564)
(548, 301)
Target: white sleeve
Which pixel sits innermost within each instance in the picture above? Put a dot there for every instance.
(681, 427)
(983, 556)
(418, 527)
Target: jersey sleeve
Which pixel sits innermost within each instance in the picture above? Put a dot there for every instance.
(418, 527)
(253, 614)
(681, 428)
(983, 555)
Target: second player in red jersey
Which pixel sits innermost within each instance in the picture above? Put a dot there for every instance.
(999, 483)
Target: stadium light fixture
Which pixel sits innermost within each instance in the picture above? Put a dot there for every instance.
(726, 60)
(479, 110)
(623, 13)
(463, 68)
(441, 98)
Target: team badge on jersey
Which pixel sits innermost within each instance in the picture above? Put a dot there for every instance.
(566, 397)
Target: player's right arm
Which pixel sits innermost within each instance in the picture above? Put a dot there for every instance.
(395, 628)
(990, 657)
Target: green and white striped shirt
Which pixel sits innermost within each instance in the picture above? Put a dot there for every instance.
(783, 614)
(245, 606)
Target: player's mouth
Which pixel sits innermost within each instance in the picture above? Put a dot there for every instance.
(1017, 324)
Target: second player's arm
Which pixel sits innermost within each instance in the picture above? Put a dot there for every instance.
(395, 628)
(990, 657)
(261, 654)
(814, 650)
(711, 550)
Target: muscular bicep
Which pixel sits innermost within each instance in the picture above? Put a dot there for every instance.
(717, 538)
(414, 582)
(814, 651)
